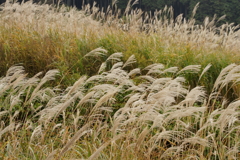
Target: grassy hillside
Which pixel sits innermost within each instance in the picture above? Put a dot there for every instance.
(42, 38)
(116, 87)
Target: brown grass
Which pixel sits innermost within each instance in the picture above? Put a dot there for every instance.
(121, 111)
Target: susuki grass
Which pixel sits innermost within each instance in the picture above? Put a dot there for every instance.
(41, 37)
(160, 117)
(116, 86)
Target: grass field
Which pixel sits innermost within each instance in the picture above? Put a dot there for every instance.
(92, 85)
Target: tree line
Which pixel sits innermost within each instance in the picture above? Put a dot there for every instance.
(230, 8)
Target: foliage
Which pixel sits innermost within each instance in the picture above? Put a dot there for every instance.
(209, 8)
(44, 38)
(158, 116)
(132, 87)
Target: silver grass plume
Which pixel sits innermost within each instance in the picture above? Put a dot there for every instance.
(50, 75)
(131, 60)
(116, 65)
(170, 70)
(190, 69)
(229, 74)
(102, 67)
(37, 132)
(197, 94)
(97, 152)
(76, 86)
(134, 72)
(84, 130)
(9, 128)
(115, 57)
(155, 69)
(204, 71)
(96, 53)
(104, 99)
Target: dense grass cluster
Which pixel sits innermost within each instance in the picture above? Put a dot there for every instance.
(173, 94)
(119, 114)
(41, 37)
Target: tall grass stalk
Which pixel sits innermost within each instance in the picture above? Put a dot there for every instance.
(84, 84)
(160, 116)
(41, 37)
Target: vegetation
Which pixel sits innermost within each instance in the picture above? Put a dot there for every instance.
(210, 8)
(230, 8)
(125, 87)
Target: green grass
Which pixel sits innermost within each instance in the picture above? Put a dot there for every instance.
(66, 52)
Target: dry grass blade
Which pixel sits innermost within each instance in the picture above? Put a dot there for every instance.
(155, 69)
(155, 109)
(97, 152)
(15, 69)
(71, 142)
(2, 113)
(116, 65)
(102, 67)
(85, 98)
(141, 138)
(149, 78)
(76, 85)
(128, 7)
(114, 2)
(134, 72)
(190, 69)
(197, 94)
(104, 99)
(51, 112)
(51, 155)
(96, 53)
(190, 111)
(197, 140)
(204, 71)
(50, 75)
(131, 60)
(115, 57)
(221, 77)
(60, 108)
(171, 70)
(7, 129)
(37, 132)
(221, 18)
(195, 10)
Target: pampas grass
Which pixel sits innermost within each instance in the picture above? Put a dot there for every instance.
(150, 105)
(161, 118)
(43, 37)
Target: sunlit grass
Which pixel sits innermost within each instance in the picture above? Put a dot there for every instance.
(159, 115)
(42, 38)
(124, 88)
